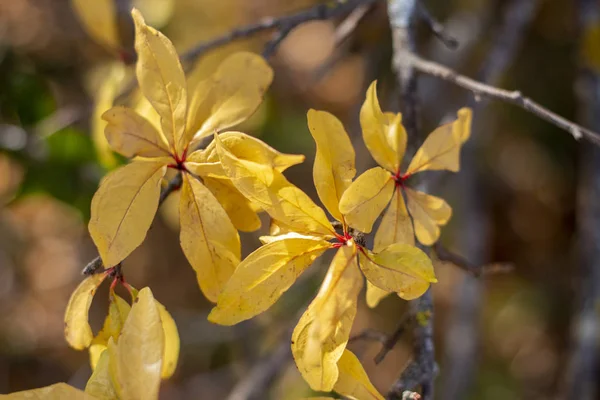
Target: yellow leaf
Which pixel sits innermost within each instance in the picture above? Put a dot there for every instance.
(157, 12)
(123, 209)
(428, 213)
(334, 162)
(99, 18)
(118, 310)
(229, 96)
(249, 148)
(353, 381)
(77, 328)
(58, 391)
(136, 360)
(208, 238)
(171, 349)
(399, 268)
(383, 134)
(264, 276)
(162, 80)
(100, 384)
(396, 225)
(319, 339)
(374, 295)
(366, 198)
(441, 149)
(132, 135)
(269, 189)
(103, 101)
(238, 208)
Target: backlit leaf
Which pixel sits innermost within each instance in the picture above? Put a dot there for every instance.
(132, 135)
(383, 133)
(102, 102)
(162, 80)
(238, 208)
(374, 295)
(137, 357)
(269, 189)
(100, 384)
(441, 149)
(428, 213)
(319, 339)
(118, 310)
(264, 276)
(99, 18)
(208, 238)
(171, 349)
(366, 198)
(123, 209)
(58, 391)
(399, 268)
(353, 381)
(229, 96)
(396, 225)
(77, 327)
(334, 162)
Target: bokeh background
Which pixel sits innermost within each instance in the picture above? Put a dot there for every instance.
(507, 335)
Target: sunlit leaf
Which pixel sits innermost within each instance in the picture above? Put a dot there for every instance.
(123, 209)
(132, 135)
(99, 18)
(58, 391)
(334, 162)
(264, 276)
(162, 80)
(319, 339)
(399, 268)
(229, 96)
(353, 381)
(269, 189)
(441, 149)
(156, 12)
(77, 327)
(396, 225)
(238, 208)
(100, 384)
(428, 213)
(208, 238)
(366, 198)
(374, 295)
(102, 102)
(136, 359)
(171, 349)
(383, 134)
(118, 310)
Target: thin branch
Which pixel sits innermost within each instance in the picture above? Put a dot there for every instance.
(284, 25)
(515, 97)
(391, 341)
(444, 254)
(436, 27)
(96, 264)
(369, 335)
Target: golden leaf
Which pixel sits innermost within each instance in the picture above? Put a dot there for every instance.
(100, 384)
(77, 327)
(99, 18)
(334, 162)
(396, 225)
(123, 209)
(441, 149)
(58, 391)
(264, 276)
(366, 198)
(319, 339)
(383, 133)
(374, 295)
(229, 96)
(428, 213)
(353, 382)
(136, 360)
(208, 238)
(238, 208)
(399, 268)
(132, 135)
(162, 81)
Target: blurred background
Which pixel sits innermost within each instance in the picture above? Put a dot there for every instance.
(515, 201)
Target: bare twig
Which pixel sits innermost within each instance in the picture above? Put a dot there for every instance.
(436, 27)
(96, 264)
(515, 97)
(284, 25)
(444, 254)
(391, 341)
(369, 335)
